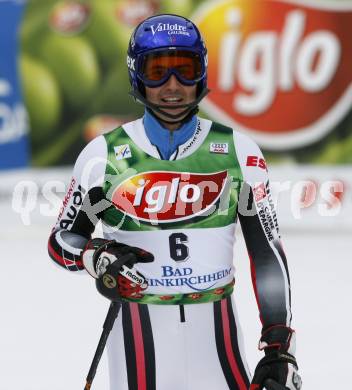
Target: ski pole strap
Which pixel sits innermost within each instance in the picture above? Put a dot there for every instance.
(213, 295)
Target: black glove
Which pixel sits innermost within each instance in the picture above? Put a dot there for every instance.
(278, 368)
(112, 265)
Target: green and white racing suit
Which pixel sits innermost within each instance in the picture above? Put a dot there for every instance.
(182, 332)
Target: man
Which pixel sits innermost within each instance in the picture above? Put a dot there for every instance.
(175, 185)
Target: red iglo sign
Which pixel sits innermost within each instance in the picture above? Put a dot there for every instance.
(278, 70)
(163, 196)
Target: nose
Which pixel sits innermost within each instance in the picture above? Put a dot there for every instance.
(172, 82)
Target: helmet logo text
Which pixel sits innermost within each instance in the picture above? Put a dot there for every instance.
(171, 28)
(130, 63)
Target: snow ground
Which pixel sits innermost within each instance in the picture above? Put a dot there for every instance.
(51, 320)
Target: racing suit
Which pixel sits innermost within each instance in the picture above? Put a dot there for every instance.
(182, 332)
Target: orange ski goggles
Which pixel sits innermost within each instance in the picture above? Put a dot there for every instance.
(157, 67)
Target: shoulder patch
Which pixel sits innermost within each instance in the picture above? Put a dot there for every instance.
(122, 151)
(219, 147)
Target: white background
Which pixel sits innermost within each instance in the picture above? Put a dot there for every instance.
(51, 319)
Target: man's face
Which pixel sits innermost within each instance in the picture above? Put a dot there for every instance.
(171, 93)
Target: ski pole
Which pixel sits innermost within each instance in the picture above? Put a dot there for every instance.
(108, 324)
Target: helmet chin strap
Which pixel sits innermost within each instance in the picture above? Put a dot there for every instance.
(160, 108)
(179, 122)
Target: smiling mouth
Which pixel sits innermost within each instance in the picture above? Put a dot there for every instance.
(172, 100)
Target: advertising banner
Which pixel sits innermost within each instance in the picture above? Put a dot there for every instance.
(13, 120)
(278, 70)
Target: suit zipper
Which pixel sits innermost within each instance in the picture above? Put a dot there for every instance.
(171, 140)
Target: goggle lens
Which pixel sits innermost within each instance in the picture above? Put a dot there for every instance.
(156, 66)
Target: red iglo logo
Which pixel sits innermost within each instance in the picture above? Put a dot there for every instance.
(278, 70)
(161, 196)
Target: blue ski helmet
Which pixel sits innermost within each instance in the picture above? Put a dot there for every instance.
(172, 34)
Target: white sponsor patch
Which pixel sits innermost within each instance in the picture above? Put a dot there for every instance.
(105, 259)
(122, 151)
(222, 148)
(132, 275)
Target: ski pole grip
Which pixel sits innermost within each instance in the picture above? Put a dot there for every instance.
(270, 384)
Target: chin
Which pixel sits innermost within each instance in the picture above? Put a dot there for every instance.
(173, 112)
(162, 117)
